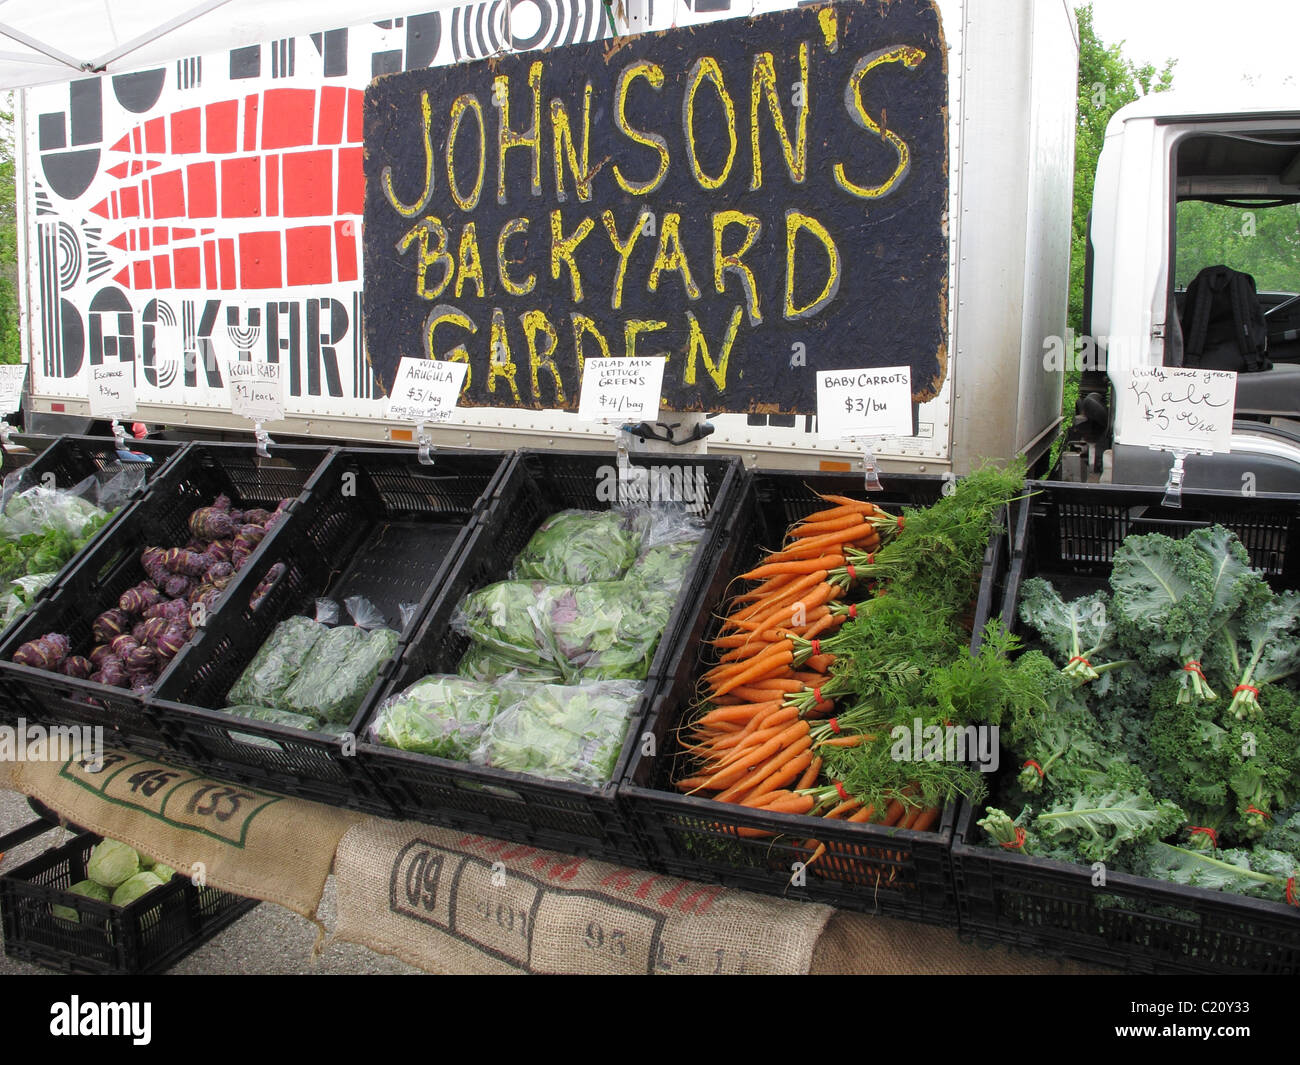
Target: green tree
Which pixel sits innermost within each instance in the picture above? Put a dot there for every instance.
(1107, 81)
(10, 343)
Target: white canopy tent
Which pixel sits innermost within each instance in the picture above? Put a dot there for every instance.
(45, 41)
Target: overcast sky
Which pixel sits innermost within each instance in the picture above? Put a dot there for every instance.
(1216, 43)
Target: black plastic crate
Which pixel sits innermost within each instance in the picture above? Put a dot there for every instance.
(69, 460)
(103, 572)
(1068, 534)
(148, 935)
(569, 817)
(375, 523)
(891, 871)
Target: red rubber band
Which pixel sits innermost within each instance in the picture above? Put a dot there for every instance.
(853, 574)
(1192, 830)
(1266, 816)
(900, 523)
(871, 558)
(835, 724)
(1019, 840)
(1195, 667)
(1246, 688)
(816, 648)
(1290, 891)
(1079, 658)
(1031, 762)
(853, 610)
(817, 693)
(843, 794)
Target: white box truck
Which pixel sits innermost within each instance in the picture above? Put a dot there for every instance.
(191, 189)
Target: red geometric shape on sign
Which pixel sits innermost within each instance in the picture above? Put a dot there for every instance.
(143, 278)
(137, 140)
(356, 101)
(182, 234)
(187, 131)
(352, 182)
(308, 184)
(210, 264)
(201, 178)
(226, 249)
(329, 124)
(155, 137)
(168, 195)
(142, 239)
(118, 241)
(123, 145)
(250, 123)
(272, 184)
(308, 251)
(120, 171)
(186, 262)
(102, 208)
(222, 121)
(123, 277)
(345, 251)
(129, 202)
(161, 234)
(289, 118)
(162, 272)
(241, 188)
(259, 260)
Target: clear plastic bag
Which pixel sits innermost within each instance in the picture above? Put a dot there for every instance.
(439, 715)
(504, 617)
(341, 669)
(267, 677)
(364, 613)
(561, 732)
(577, 546)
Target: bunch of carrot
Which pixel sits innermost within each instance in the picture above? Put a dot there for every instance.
(753, 739)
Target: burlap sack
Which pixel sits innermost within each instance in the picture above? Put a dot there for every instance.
(454, 903)
(252, 843)
(858, 944)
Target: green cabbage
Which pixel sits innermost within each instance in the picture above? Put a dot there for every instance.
(86, 889)
(135, 887)
(112, 863)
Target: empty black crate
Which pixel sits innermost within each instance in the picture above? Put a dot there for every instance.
(1068, 534)
(891, 871)
(564, 816)
(103, 572)
(148, 935)
(374, 523)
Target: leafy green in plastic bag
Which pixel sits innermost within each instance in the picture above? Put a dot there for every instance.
(439, 715)
(268, 676)
(572, 732)
(577, 546)
(340, 670)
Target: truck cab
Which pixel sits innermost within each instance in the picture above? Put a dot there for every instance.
(1184, 182)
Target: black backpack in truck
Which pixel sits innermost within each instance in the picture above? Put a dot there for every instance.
(1222, 322)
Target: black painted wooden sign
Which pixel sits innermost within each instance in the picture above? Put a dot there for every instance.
(758, 199)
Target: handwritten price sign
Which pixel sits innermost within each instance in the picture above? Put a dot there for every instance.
(112, 390)
(12, 379)
(426, 390)
(1177, 408)
(256, 390)
(621, 389)
(864, 403)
